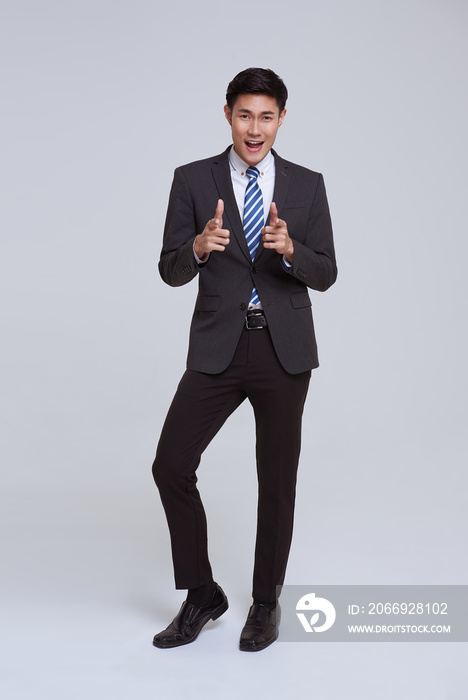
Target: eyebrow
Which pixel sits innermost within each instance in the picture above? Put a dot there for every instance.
(249, 111)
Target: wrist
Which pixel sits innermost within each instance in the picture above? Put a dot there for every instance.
(199, 252)
(289, 254)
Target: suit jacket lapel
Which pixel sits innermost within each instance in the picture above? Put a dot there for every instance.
(282, 178)
(231, 219)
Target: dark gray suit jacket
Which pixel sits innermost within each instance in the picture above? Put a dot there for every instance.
(227, 279)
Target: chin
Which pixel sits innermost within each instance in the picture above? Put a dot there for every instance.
(254, 158)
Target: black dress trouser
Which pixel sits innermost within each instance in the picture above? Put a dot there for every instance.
(201, 405)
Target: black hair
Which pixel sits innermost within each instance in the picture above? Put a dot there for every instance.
(262, 81)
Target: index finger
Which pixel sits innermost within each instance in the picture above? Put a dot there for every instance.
(218, 217)
(273, 214)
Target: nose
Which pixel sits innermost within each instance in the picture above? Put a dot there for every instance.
(254, 127)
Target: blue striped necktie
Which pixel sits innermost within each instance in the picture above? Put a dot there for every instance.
(253, 218)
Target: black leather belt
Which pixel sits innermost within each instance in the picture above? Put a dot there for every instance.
(255, 320)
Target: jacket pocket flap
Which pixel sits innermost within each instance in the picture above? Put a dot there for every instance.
(300, 300)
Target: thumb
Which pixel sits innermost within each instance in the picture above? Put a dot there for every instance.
(273, 214)
(219, 212)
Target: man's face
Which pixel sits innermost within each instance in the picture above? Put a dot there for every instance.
(255, 120)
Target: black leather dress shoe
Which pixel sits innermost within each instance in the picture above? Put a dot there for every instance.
(261, 628)
(187, 624)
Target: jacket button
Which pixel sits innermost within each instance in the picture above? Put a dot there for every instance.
(243, 307)
(253, 269)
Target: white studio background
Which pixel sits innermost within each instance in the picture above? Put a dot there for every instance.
(101, 100)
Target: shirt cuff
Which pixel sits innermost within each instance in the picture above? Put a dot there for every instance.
(287, 265)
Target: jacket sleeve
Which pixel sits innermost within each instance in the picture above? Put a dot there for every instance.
(314, 258)
(177, 264)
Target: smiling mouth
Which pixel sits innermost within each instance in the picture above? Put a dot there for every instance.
(254, 145)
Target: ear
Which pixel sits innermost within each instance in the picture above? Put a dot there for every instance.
(281, 117)
(227, 114)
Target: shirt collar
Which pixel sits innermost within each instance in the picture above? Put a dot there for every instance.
(240, 166)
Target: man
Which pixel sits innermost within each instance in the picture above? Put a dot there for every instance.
(256, 230)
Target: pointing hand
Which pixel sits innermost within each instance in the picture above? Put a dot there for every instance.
(276, 236)
(213, 237)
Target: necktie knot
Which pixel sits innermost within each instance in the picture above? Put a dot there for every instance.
(252, 172)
